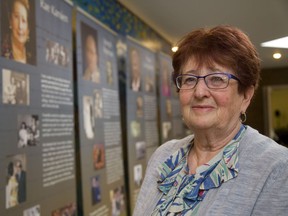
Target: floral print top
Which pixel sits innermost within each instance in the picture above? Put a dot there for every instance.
(182, 192)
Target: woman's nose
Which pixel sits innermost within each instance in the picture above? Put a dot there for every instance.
(201, 88)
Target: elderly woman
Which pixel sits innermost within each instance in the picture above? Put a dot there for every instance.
(225, 167)
(14, 45)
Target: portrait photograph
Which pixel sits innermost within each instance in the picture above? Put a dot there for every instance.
(15, 88)
(98, 156)
(139, 107)
(28, 130)
(135, 68)
(90, 54)
(165, 80)
(15, 180)
(95, 189)
(109, 72)
(18, 39)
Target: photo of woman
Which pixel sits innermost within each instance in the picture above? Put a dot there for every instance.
(135, 67)
(90, 54)
(18, 33)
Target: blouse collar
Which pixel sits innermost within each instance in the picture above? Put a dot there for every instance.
(223, 167)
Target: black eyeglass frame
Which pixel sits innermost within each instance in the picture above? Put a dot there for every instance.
(230, 76)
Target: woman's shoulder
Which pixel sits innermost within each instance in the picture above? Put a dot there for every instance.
(262, 147)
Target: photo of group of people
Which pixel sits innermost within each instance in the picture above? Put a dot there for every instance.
(16, 181)
(29, 130)
(18, 31)
(15, 87)
(90, 54)
(57, 54)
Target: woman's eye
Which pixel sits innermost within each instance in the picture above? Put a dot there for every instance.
(217, 79)
(189, 80)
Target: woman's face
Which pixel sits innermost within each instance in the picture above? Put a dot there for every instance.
(91, 53)
(204, 108)
(19, 23)
(135, 64)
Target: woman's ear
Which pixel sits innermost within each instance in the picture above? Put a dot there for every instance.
(248, 95)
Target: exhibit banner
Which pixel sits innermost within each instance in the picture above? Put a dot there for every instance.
(36, 108)
(170, 121)
(141, 113)
(101, 156)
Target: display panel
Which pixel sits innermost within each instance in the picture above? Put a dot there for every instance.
(36, 108)
(101, 153)
(141, 113)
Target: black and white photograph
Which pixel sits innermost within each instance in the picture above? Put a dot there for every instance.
(28, 130)
(88, 117)
(140, 149)
(33, 211)
(15, 88)
(57, 54)
(138, 176)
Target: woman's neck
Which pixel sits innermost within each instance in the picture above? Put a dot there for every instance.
(19, 51)
(209, 144)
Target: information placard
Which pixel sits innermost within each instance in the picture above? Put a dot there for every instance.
(36, 108)
(141, 113)
(101, 154)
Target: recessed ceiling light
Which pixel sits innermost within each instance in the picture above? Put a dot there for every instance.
(277, 43)
(174, 49)
(277, 55)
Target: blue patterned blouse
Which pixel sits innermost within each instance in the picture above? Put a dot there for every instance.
(182, 192)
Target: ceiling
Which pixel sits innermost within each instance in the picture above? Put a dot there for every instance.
(262, 20)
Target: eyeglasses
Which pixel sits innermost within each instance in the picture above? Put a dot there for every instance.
(212, 81)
